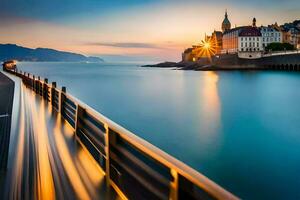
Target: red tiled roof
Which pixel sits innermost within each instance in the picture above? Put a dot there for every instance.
(234, 29)
(250, 31)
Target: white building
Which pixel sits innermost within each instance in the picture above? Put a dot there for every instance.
(250, 42)
(250, 39)
(270, 35)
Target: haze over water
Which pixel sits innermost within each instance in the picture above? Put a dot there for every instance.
(240, 129)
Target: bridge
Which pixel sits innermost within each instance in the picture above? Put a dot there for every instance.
(61, 148)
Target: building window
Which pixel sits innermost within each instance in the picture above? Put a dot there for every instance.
(257, 39)
(241, 39)
(242, 49)
(257, 44)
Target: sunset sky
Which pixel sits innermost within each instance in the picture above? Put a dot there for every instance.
(130, 29)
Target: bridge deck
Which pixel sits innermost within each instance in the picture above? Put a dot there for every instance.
(45, 161)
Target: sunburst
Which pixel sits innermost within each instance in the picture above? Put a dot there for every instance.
(207, 48)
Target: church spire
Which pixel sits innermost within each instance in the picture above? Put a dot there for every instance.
(254, 22)
(226, 25)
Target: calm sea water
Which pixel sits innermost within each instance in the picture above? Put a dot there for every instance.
(240, 129)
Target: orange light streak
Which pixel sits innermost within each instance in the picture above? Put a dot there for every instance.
(68, 162)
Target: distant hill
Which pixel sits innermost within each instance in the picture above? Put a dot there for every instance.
(12, 51)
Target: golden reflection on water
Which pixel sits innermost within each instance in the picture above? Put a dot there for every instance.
(211, 102)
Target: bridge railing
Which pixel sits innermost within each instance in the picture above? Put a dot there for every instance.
(133, 167)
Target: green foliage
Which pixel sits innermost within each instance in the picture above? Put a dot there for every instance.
(276, 46)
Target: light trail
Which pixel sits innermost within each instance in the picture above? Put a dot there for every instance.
(47, 162)
(16, 178)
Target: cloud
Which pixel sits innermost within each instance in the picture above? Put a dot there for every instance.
(125, 45)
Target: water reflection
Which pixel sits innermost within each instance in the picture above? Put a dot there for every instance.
(210, 108)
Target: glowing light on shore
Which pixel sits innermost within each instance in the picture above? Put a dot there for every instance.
(206, 45)
(207, 48)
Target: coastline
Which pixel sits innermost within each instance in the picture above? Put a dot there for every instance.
(290, 62)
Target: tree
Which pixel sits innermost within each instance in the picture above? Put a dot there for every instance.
(276, 46)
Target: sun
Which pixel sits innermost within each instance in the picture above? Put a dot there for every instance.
(207, 48)
(206, 45)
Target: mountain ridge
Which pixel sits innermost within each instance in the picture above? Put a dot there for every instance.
(20, 53)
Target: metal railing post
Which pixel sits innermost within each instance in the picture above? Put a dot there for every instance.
(36, 86)
(174, 185)
(29, 80)
(39, 86)
(111, 138)
(107, 164)
(45, 89)
(33, 83)
(53, 93)
(62, 98)
(79, 114)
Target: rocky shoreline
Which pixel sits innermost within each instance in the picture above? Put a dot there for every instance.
(232, 62)
(200, 67)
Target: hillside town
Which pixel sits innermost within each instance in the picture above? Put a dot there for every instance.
(249, 42)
